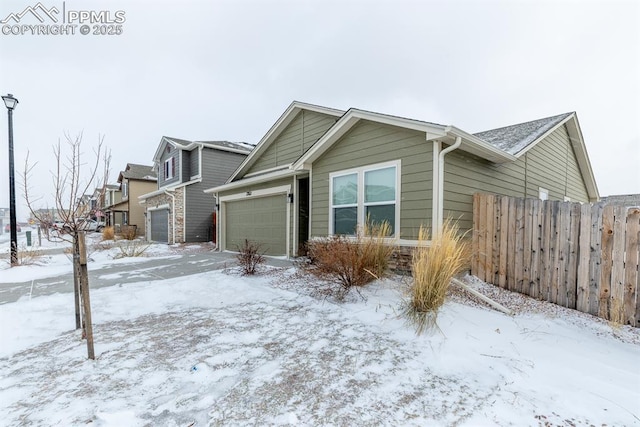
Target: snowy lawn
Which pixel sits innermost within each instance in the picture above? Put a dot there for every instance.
(220, 349)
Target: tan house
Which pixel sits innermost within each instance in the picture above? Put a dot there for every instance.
(134, 181)
(112, 197)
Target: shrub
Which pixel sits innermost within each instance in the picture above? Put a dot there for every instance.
(28, 256)
(128, 232)
(108, 233)
(131, 248)
(250, 257)
(433, 267)
(351, 262)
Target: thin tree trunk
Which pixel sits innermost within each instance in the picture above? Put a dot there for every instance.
(76, 280)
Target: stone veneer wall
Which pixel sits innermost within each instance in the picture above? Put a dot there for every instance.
(179, 194)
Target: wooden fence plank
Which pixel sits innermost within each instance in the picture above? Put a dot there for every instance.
(527, 246)
(564, 225)
(519, 252)
(595, 261)
(511, 245)
(584, 253)
(556, 226)
(536, 233)
(504, 232)
(606, 263)
(495, 253)
(489, 269)
(482, 234)
(617, 264)
(474, 235)
(545, 252)
(631, 298)
(571, 272)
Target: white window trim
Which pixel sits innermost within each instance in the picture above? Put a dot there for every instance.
(168, 168)
(360, 171)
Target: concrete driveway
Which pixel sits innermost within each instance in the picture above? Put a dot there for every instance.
(118, 274)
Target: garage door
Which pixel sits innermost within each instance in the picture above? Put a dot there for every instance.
(160, 225)
(262, 220)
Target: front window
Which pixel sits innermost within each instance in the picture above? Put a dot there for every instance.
(380, 196)
(125, 189)
(169, 168)
(365, 194)
(345, 204)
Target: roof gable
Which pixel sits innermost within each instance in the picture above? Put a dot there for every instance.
(353, 116)
(278, 127)
(138, 172)
(183, 144)
(516, 138)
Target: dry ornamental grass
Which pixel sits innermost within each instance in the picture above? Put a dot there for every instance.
(433, 267)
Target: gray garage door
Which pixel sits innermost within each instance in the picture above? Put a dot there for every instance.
(160, 225)
(262, 220)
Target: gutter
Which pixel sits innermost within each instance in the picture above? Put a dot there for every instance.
(438, 183)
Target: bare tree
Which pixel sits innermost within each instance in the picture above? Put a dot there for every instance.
(71, 183)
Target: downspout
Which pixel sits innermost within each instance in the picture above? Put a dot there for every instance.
(440, 190)
(173, 216)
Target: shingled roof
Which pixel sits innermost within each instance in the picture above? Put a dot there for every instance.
(227, 144)
(515, 138)
(139, 172)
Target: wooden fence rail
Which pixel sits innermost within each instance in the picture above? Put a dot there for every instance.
(581, 256)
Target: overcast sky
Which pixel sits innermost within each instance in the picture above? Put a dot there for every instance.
(226, 70)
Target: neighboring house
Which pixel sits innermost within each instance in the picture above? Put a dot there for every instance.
(631, 200)
(84, 205)
(320, 171)
(112, 196)
(177, 210)
(134, 181)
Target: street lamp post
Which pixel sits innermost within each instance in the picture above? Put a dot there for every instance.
(10, 102)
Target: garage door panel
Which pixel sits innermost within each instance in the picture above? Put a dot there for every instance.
(261, 219)
(160, 225)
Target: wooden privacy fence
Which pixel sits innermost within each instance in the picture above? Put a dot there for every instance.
(581, 256)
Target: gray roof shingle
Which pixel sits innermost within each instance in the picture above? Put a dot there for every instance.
(515, 138)
(141, 172)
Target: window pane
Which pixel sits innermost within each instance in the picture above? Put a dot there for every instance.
(380, 185)
(345, 190)
(377, 214)
(345, 220)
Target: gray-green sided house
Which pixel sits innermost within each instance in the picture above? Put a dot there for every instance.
(320, 171)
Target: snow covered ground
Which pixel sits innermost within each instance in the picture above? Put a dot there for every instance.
(221, 349)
